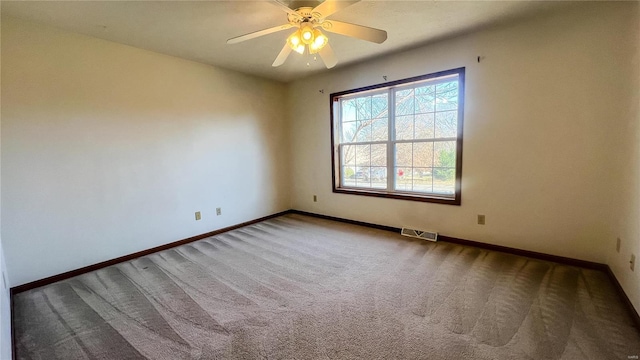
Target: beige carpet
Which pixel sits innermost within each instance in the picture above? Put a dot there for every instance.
(297, 287)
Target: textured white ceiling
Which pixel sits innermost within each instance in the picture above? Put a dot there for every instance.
(198, 30)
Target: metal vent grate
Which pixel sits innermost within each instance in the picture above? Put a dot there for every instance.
(420, 234)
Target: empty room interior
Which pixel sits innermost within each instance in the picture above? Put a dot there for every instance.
(320, 180)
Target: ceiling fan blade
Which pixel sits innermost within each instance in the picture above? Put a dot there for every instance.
(256, 34)
(356, 31)
(329, 7)
(285, 8)
(282, 57)
(328, 57)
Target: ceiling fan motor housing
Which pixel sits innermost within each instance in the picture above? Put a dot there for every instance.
(306, 14)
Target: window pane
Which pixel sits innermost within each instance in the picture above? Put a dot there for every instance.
(426, 174)
(379, 177)
(404, 179)
(363, 155)
(446, 124)
(445, 154)
(404, 102)
(362, 178)
(444, 172)
(425, 99)
(349, 131)
(404, 127)
(379, 106)
(363, 108)
(422, 180)
(423, 154)
(349, 155)
(348, 110)
(404, 155)
(379, 155)
(444, 180)
(424, 126)
(447, 96)
(380, 130)
(348, 178)
(363, 130)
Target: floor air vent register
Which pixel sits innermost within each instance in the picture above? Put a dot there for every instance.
(419, 234)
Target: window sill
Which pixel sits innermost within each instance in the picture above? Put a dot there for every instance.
(452, 200)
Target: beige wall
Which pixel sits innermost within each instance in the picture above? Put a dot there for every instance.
(542, 112)
(109, 149)
(5, 302)
(626, 200)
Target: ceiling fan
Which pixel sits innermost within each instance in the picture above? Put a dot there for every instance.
(308, 22)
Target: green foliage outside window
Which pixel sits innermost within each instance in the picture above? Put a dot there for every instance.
(447, 159)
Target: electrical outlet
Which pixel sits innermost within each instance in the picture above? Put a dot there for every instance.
(198, 215)
(632, 263)
(618, 245)
(481, 220)
(315, 198)
(218, 211)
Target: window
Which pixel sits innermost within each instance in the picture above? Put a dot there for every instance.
(401, 139)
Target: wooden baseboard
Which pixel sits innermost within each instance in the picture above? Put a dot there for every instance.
(348, 221)
(526, 253)
(625, 299)
(86, 269)
(69, 274)
(531, 254)
(505, 249)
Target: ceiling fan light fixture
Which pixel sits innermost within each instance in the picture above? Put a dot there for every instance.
(299, 49)
(307, 37)
(320, 41)
(306, 33)
(294, 39)
(295, 42)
